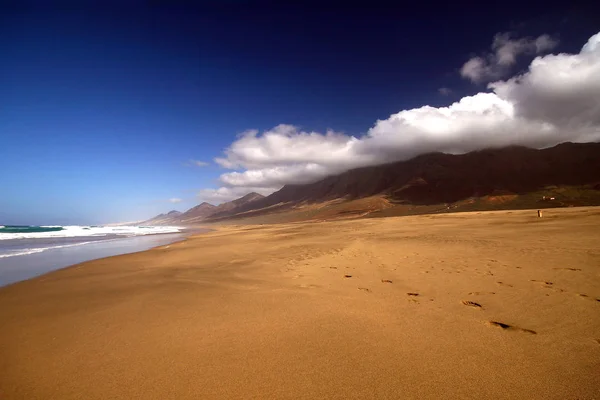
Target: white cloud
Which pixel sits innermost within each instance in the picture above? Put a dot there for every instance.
(556, 100)
(445, 91)
(505, 51)
(284, 143)
(561, 89)
(175, 200)
(544, 43)
(197, 163)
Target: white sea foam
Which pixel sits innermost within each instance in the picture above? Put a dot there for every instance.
(84, 231)
(23, 252)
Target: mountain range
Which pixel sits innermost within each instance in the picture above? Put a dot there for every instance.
(203, 211)
(512, 177)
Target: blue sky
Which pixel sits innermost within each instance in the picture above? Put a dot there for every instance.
(101, 110)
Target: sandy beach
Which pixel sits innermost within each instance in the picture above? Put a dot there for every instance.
(482, 305)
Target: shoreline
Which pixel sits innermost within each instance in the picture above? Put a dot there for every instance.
(31, 266)
(494, 305)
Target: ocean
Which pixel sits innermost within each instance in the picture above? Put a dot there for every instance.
(28, 251)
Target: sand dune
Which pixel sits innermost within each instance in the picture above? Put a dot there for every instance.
(491, 305)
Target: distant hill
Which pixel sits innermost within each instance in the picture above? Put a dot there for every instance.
(511, 177)
(234, 206)
(203, 211)
(199, 212)
(159, 219)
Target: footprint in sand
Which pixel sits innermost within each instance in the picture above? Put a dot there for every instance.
(585, 296)
(364, 289)
(504, 284)
(545, 283)
(412, 293)
(347, 276)
(508, 327)
(478, 293)
(471, 304)
(569, 269)
(386, 281)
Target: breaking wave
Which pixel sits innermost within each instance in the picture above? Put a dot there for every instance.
(8, 232)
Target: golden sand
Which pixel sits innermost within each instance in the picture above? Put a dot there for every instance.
(495, 305)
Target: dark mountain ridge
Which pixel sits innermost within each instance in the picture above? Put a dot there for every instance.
(436, 178)
(429, 179)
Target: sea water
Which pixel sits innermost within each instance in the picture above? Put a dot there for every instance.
(28, 251)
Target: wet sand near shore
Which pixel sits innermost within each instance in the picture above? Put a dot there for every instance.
(482, 305)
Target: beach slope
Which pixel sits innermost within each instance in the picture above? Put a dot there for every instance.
(485, 305)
